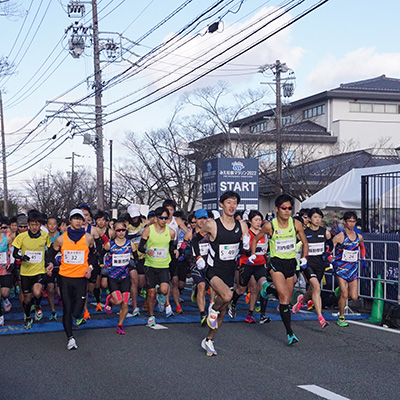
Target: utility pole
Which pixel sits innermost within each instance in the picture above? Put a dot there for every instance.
(98, 110)
(111, 182)
(278, 127)
(3, 139)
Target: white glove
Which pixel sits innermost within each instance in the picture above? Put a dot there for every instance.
(251, 259)
(303, 263)
(200, 263)
(246, 241)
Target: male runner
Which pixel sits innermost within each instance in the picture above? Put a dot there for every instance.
(6, 281)
(29, 247)
(348, 244)
(77, 257)
(319, 242)
(225, 236)
(157, 243)
(283, 231)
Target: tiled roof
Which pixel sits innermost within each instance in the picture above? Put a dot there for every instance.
(378, 84)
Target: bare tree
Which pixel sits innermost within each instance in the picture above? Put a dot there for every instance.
(10, 9)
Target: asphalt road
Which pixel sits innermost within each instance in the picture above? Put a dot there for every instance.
(253, 362)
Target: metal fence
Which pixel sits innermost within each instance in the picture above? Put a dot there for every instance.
(383, 259)
(380, 202)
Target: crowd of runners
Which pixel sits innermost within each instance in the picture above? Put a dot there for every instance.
(226, 254)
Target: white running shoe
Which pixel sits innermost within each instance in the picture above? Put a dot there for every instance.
(2, 320)
(212, 318)
(208, 346)
(71, 345)
(168, 311)
(6, 305)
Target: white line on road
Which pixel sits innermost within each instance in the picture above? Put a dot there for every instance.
(381, 328)
(158, 326)
(319, 391)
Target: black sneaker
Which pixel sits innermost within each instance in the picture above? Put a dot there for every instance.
(232, 310)
(264, 319)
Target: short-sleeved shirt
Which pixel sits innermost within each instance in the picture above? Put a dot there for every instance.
(34, 248)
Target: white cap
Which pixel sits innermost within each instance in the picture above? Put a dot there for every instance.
(76, 211)
(134, 211)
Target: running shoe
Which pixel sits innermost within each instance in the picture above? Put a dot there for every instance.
(168, 311)
(80, 321)
(71, 345)
(161, 302)
(60, 302)
(86, 315)
(323, 322)
(296, 308)
(292, 339)
(136, 312)
(151, 321)
(263, 292)
(247, 298)
(203, 320)
(250, 319)
(310, 305)
(108, 305)
(193, 296)
(130, 301)
(2, 320)
(33, 308)
(99, 307)
(28, 323)
(6, 305)
(257, 308)
(212, 319)
(264, 319)
(143, 293)
(338, 292)
(208, 346)
(179, 310)
(342, 322)
(120, 330)
(53, 316)
(38, 314)
(231, 310)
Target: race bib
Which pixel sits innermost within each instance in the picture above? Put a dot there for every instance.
(228, 252)
(3, 257)
(204, 248)
(350, 255)
(316, 249)
(261, 249)
(74, 257)
(120, 260)
(160, 252)
(285, 245)
(35, 257)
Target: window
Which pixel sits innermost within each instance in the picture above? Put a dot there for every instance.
(269, 156)
(259, 127)
(314, 112)
(391, 108)
(378, 108)
(366, 107)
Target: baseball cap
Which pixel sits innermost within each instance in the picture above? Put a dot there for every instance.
(76, 211)
(201, 213)
(22, 220)
(133, 211)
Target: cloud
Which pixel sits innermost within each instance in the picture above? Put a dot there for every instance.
(359, 64)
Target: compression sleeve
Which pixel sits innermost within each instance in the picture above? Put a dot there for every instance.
(16, 255)
(51, 255)
(195, 243)
(142, 245)
(329, 242)
(362, 250)
(172, 249)
(92, 259)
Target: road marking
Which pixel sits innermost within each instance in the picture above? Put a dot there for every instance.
(381, 328)
(158, 326)
(319, 391)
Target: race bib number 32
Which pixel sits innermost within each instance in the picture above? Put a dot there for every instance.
(74, 257)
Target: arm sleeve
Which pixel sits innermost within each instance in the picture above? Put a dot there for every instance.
(142, 245)
(16, 254)
(51, 255)
(195, 243)
(362, 250)
(92, 256)
(172, 249)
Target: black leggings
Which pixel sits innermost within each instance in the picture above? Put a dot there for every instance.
(73, 294)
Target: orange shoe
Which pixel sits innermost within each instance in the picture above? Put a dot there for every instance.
(98, 308)
(86, 315)
(248, 297)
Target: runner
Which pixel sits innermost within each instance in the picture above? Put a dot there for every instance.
(117, 262)
(283, 231)
(29, 247)
(157, 243)
(175, 223)
(6, 281)
(255, 271)
(319, 242)
(225, 236)
(347, 246)
(78, 255)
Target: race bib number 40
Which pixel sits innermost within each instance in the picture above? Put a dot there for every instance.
(228, 252)
(285, 245)
(35, 257)
(350, 255)
(160, 252)
(74, 257)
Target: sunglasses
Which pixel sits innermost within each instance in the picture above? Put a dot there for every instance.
(120, 230)
(192, 222)
(160, 217)
(23, 226)
(284, 208)
(4, 227)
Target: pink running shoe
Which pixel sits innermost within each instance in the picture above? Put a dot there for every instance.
(108, 306)
(296, 308)
(250, 319)
(120, 330)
